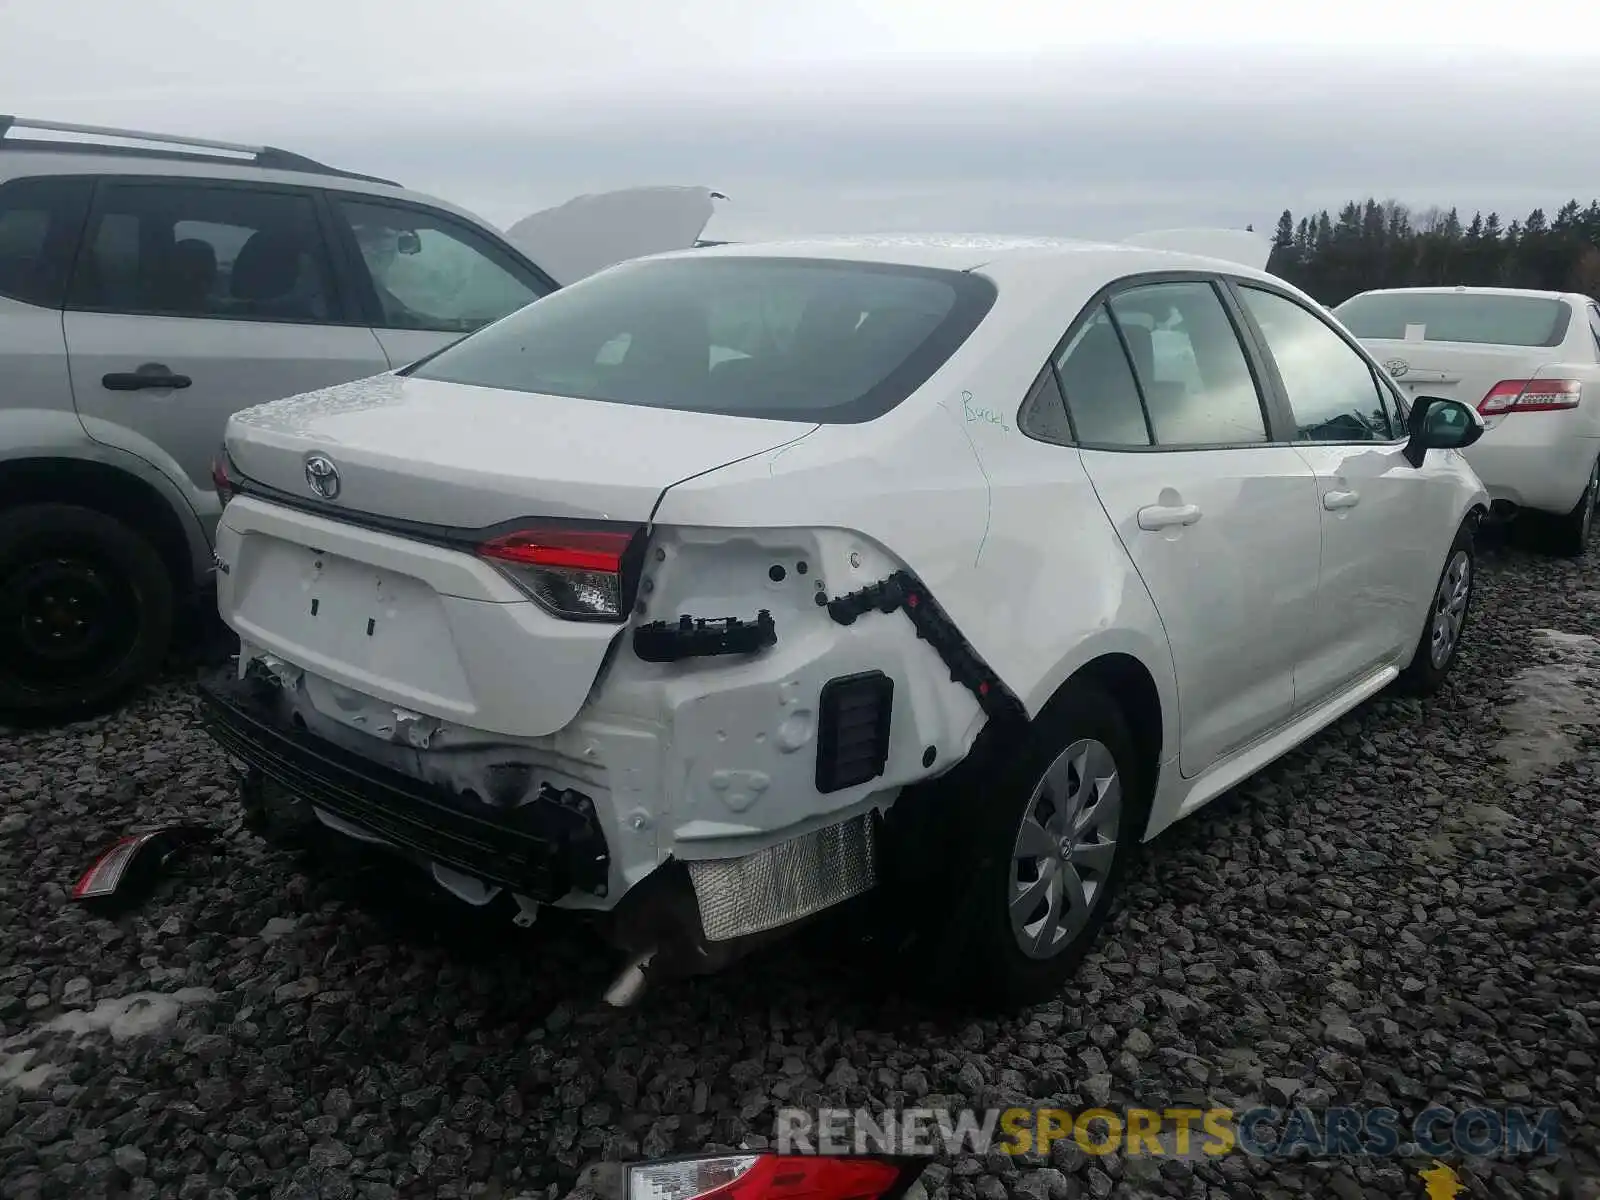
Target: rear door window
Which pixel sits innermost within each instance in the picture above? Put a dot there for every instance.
(1195, 379)
(783, 338)
(41, 220)
(184, 249)
(1100, 389)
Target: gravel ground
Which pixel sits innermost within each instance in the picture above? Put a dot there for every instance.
(1394, 915)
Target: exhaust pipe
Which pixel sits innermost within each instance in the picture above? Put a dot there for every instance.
(628, 986)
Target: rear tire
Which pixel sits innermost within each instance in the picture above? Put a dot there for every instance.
(86, 612)
(1569, 535)
(1049, 847)
(1440, 642)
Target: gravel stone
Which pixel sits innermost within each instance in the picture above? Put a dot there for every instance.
(1406, 910)
(130, 1160)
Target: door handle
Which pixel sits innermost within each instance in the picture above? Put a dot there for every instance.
(1165, 516)
(149, 375)
(1333, 501)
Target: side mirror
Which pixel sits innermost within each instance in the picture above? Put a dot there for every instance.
(408, 242)
(1440, 424)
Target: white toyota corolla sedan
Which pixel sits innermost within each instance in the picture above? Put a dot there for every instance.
(725, 586)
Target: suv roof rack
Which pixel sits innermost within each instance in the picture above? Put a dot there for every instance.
(266, 157)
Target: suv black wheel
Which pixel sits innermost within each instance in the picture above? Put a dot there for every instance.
(86, 611)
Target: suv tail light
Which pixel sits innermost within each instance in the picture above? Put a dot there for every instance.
(752, 1176)
(220, 480)
(579, 572)
(1531, 395)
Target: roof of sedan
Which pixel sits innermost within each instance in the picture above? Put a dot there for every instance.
(962, 252)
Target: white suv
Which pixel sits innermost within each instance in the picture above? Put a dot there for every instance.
(721, 586)
(151, 285)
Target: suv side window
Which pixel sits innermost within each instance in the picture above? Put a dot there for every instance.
(40, 220)
(184, 249)
(1193, 374)
(434, 273)
(1332, 391)
(1594, 327)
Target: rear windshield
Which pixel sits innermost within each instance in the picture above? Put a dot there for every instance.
(781, 338)
(1463, 317)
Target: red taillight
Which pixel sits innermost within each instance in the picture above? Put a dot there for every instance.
(1531, 395)
(220, 481)
(579, 549)
(767, 1177)
(574, 571)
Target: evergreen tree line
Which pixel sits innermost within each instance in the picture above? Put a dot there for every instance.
(1382, 245)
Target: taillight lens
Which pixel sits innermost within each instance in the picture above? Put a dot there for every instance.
(220, 480)
(1531, 395)
(105, 872)
(770, 1177)
(577, 572)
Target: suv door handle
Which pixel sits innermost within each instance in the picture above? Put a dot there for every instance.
(1333, 501)
(1165, 516)
(149, 375)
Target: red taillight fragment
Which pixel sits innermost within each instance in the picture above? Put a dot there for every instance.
(1531, 395)
(220, 481)
(767, 1177)
(105, 873)
(573, 571)
(127, 868)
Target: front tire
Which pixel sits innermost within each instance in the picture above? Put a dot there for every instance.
(1051, 845)
(1447, 618)
(86, 612)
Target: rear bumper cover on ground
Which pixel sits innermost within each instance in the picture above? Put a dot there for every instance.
(541, 850)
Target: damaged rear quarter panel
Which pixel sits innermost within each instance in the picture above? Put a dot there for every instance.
(1006, 532)
(774, 533)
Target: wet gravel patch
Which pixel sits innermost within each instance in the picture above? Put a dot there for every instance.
(1391, 916)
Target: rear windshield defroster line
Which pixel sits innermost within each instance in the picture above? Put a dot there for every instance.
(1458, 317)
(790, 339)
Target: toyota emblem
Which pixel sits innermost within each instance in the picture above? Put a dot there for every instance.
(1397, 367)
(322, 476)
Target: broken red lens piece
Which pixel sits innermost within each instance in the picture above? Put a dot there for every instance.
(103, 875)
(762, 1176)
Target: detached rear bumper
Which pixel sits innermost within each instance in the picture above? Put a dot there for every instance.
(542, 850)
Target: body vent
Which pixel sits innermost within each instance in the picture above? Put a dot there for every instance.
(853, 730)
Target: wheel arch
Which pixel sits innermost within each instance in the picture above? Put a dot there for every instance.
(1128, 681)
(46, 479)
(1134, 670)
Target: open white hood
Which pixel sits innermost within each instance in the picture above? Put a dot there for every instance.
(1241, 246)
(591, 232)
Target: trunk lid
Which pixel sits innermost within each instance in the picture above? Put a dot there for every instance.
(1456, 371)
(450, 454)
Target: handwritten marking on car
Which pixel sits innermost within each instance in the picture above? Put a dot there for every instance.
(987, 416)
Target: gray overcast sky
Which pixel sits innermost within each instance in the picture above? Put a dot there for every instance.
(830, 115)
